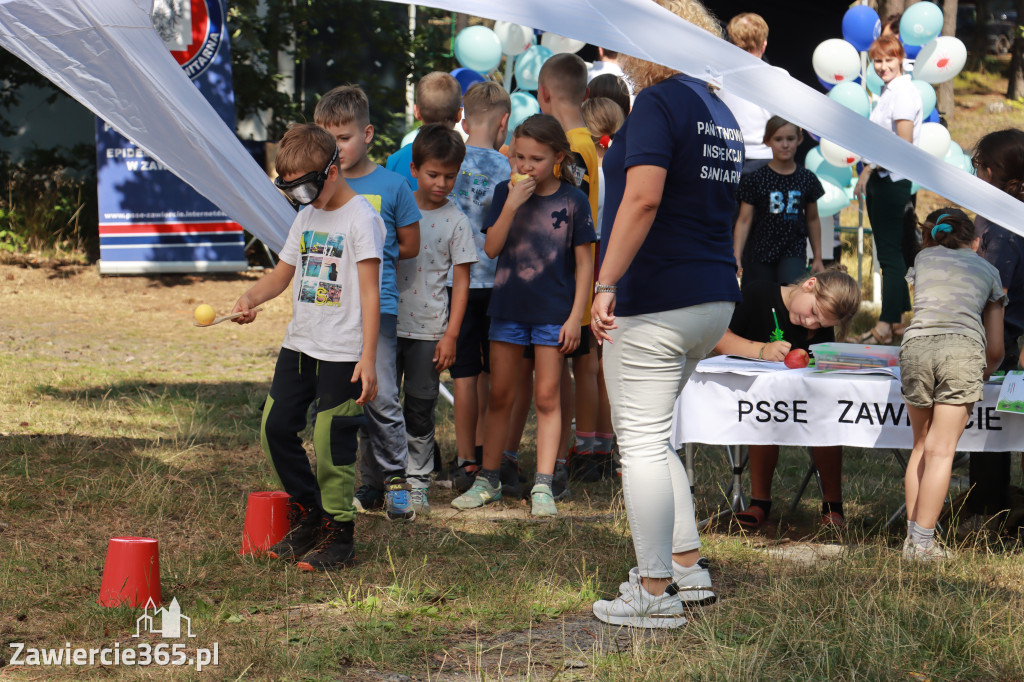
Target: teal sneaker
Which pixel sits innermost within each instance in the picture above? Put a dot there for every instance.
(543, 501)
(398, 499)
(479, 494)
(420, 504)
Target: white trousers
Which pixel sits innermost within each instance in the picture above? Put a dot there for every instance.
(645, 367)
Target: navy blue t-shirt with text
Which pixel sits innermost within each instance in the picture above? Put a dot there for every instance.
(535, 276)
(687, 257)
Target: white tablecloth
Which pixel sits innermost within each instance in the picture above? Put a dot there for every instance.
(804, 407)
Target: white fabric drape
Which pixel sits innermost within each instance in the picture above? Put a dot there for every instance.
(106, 54)
(646, 30)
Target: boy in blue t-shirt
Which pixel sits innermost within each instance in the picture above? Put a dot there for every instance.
(438, 100)
(332, 260)
(487, 108)
(345, 113)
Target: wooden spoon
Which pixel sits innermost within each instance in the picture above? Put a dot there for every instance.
(222, 318)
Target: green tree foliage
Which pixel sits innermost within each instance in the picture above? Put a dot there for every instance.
(334, 41)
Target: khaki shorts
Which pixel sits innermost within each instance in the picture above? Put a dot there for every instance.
(945, 368)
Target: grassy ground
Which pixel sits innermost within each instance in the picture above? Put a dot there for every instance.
(120, 418)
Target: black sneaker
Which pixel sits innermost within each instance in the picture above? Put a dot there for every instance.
(606, 463)
(463, 476)
(560, 482)
(511, 480)
(305, 533)
(585, 467)
(367, 498)
(336, 549)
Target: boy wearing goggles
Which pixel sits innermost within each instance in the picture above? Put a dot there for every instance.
(332, 259)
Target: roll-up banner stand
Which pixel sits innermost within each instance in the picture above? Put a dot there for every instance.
(151, 222)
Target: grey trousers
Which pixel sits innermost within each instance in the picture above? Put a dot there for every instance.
(421, 383)
(383, 450)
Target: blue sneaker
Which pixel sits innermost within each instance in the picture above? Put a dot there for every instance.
(398, 499)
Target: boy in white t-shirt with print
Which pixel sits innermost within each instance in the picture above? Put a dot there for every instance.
(332, 259)
(427, 330)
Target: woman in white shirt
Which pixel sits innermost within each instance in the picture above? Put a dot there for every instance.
(887, 194)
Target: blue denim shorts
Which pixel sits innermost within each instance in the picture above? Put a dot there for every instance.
(523, 334)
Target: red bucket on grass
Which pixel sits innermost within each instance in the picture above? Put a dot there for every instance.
(266, 521)
(131, 573)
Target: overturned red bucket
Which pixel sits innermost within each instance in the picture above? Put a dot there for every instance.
(266, 521)
(131, 573)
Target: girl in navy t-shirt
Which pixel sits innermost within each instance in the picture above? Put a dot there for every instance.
(778, 212)
(540, 229)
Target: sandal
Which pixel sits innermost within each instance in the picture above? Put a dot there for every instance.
(872, 335)
(833, 520)
(751, 518)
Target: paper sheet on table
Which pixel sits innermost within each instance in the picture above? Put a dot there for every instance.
(732, 364)
(1011, 394)
(893, 372)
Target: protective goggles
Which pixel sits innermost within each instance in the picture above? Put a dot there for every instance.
(306, 189)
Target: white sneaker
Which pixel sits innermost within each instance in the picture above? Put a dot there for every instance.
(912, 551)
(638, 608)
(693, 583)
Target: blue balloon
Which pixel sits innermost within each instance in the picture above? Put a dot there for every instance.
(861, 26)
(932, 117)
(524, 105)
(468, 77)
(478, 48)
(911, 50)
(927, 97)
(528, 65)
(873, 80)
(852, 96)
(816, 163)
(920, 22)
(825, 84)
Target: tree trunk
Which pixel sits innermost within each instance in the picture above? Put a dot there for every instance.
(1016, 88)
(979, 46)
(944, 91)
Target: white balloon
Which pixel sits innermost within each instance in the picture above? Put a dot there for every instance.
(558, 44)
(835, 61)
(515, 39)
(934, 139)
(940, 60)
(836, 155)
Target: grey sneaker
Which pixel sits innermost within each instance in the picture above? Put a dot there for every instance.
(479, 494)
(560, 483)
(420, 504)
(638, 608)
(543, 501)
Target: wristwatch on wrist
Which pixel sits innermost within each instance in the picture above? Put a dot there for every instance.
(605, 288)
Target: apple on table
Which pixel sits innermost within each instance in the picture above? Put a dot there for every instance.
(797, 358)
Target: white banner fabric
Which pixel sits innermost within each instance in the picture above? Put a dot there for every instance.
(644, 29)
(805, 408)
(106, 55)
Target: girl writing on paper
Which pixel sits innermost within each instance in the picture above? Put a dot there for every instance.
(806, 313)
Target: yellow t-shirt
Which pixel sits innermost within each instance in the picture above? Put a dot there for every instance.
(584, 169)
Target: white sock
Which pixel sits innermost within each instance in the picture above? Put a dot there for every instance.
(923, 537)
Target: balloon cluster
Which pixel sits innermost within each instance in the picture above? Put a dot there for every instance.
(848, 76)
(479, 51)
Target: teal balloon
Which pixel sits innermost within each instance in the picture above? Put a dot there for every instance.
(826, 172)
(833, 201)
(874, 82)
(524, 105)
(528, 65)
(852, 96)
(954, 154)
(478, 48)
(927, 97)
(914, 187)
(920, 23)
